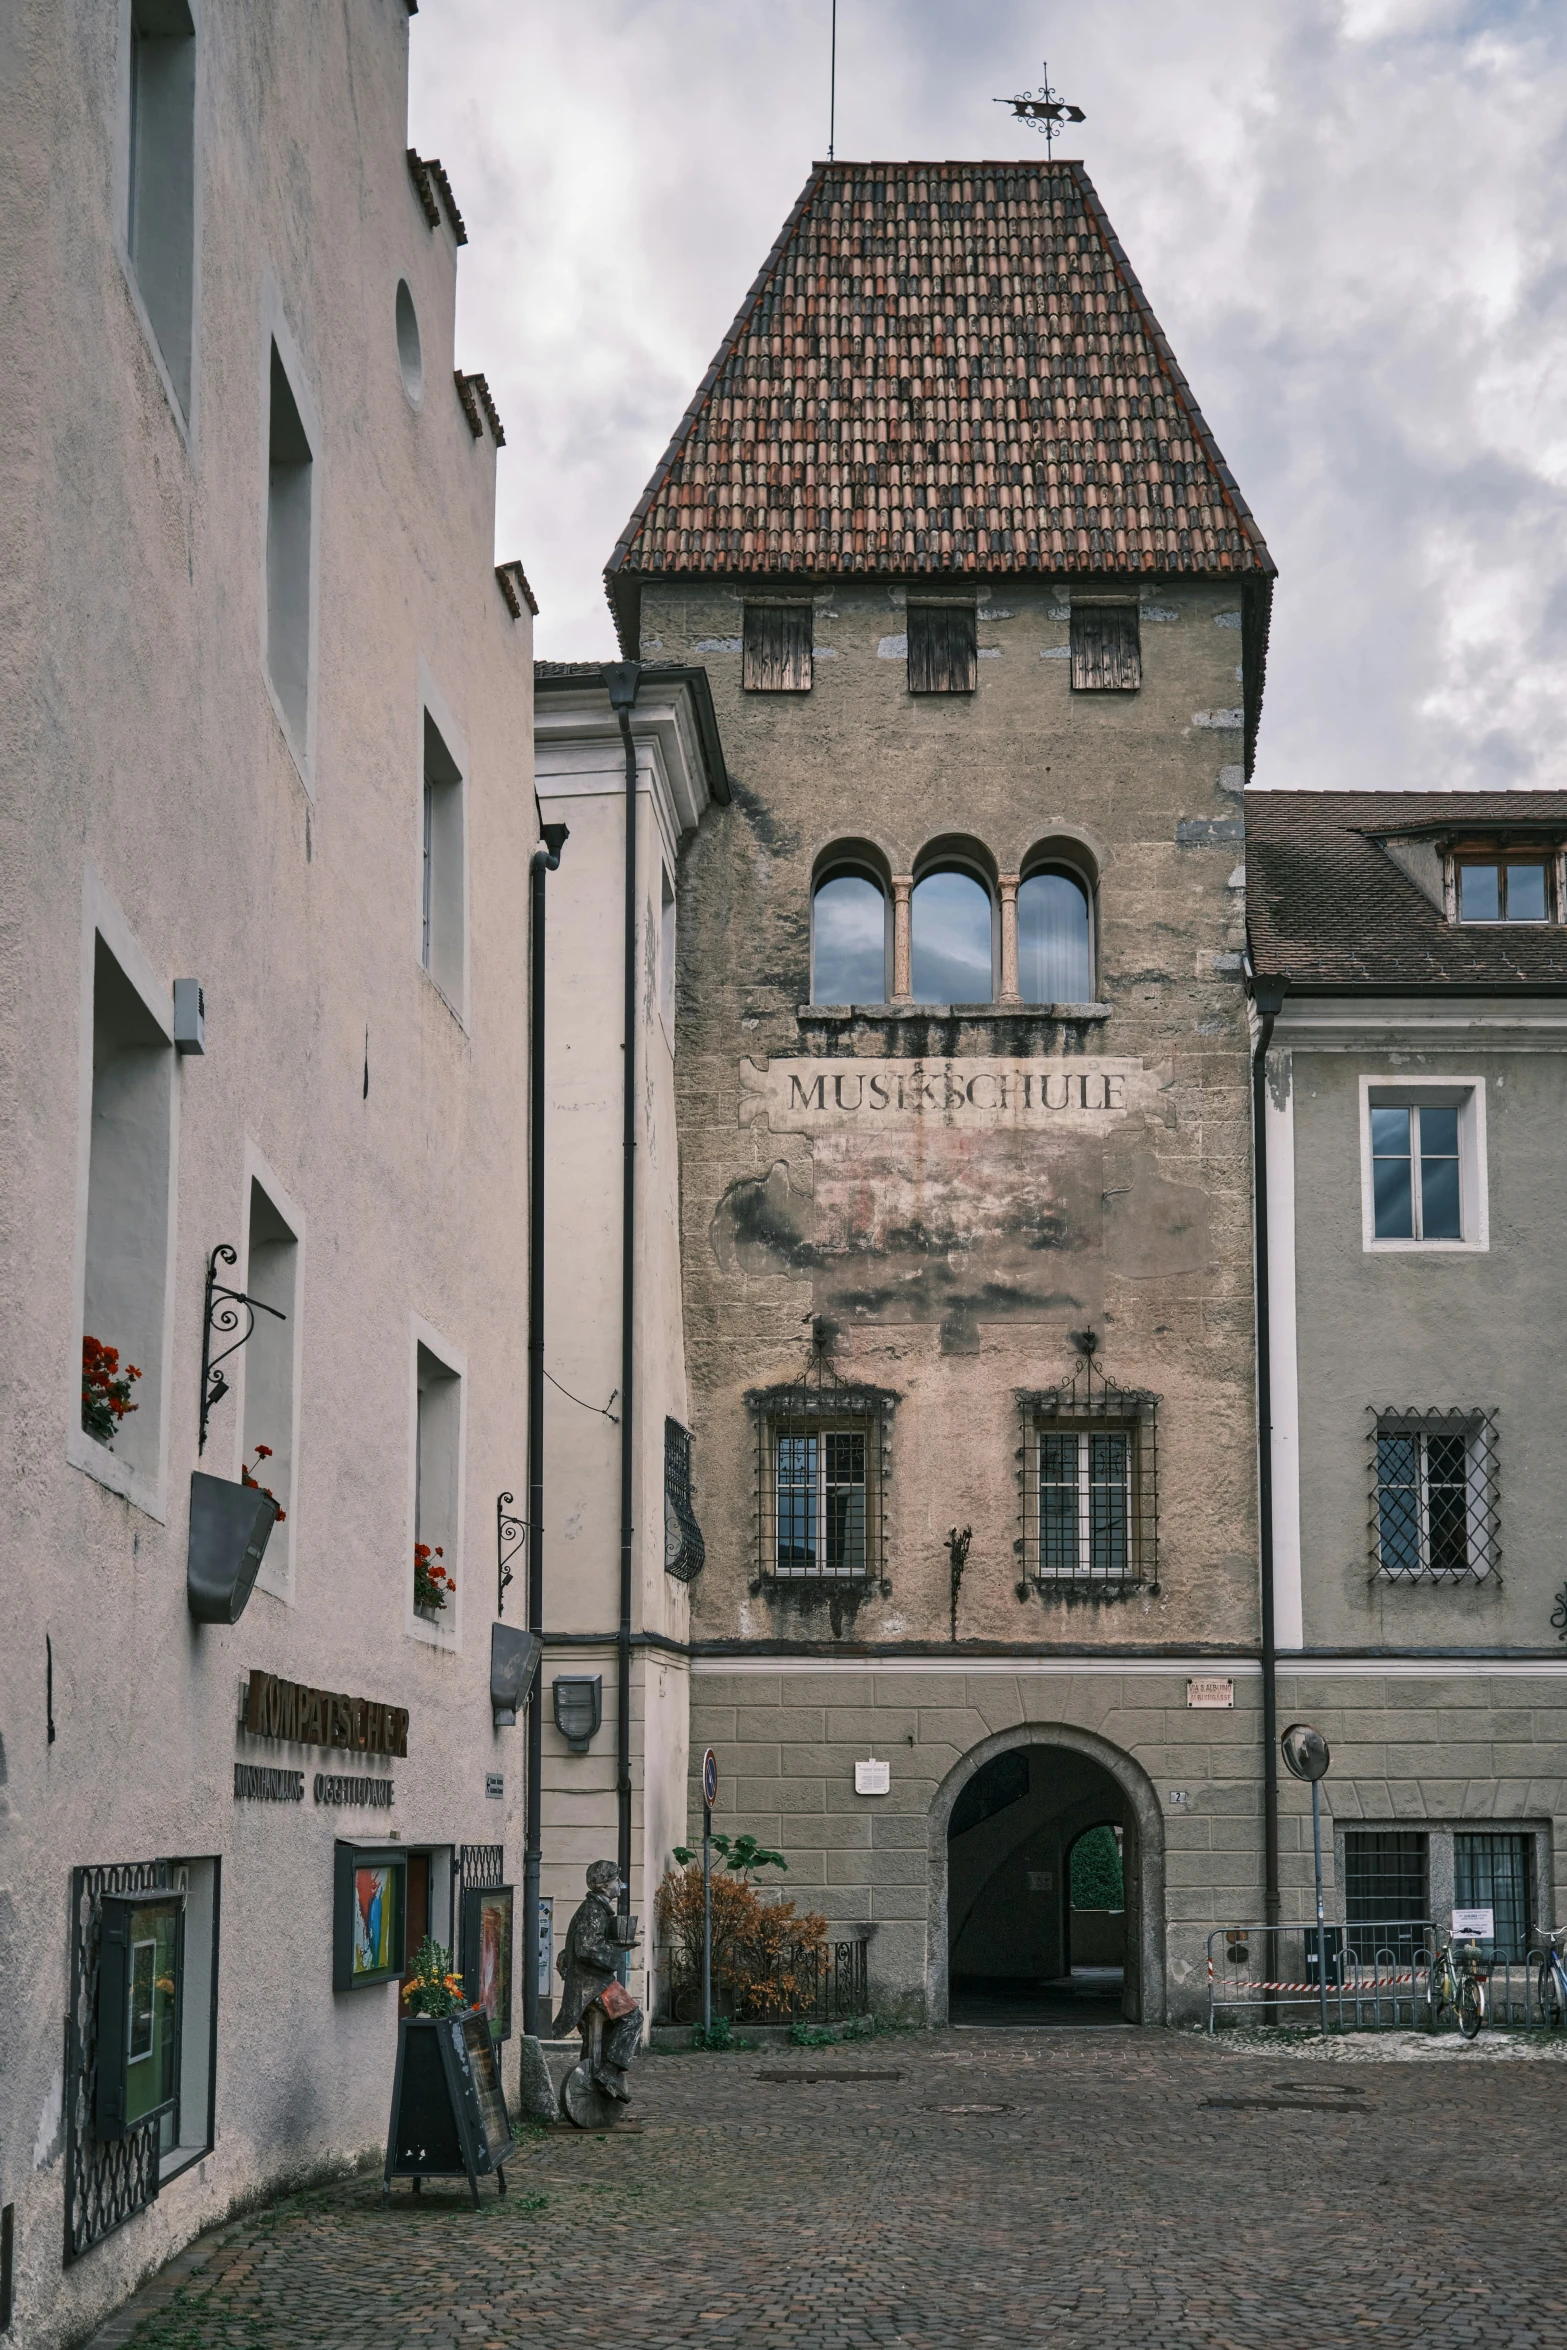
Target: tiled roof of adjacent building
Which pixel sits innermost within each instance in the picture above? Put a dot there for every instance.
(1329, 905)
(942, 368)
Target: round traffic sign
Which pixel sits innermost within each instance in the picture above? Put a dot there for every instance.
(710, 1778)
(1305, 1751)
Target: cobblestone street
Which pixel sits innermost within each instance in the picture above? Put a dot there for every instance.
(1123, 2189)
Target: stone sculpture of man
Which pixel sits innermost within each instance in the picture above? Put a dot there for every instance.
(588, 1965)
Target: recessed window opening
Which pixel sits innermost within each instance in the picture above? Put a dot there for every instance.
(950, 916)
(289, 491)
(1085, 1502)
(1416, 1187)
(161, 213)
(127, 1220)
(821, 1502)
(441, 947)
(1386, 1893)
(1054, 955)
(437, 1455)
(943, 641)
(1107, 653)
(1090, 1485)
(410, 352)
(272, 1276)
(778, 645)
(185, 2132)
(1503, 890)
(666, 951)
(1436, 1503)
(849, 940)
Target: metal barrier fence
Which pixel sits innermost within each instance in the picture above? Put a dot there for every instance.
(818, 1985)
(1379, 1978)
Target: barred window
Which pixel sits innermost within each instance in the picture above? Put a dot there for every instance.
(943, 648)
(1107, 654)
(1492, 1872)
(821, 1473)
(1435, 1504)
(1386, 1891)
(1090, 1482)
(685, 1553)
(778, 643)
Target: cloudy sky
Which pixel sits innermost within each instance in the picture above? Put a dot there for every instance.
(1350, 217)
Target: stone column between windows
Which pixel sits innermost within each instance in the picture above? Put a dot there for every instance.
(902, 961)
(1007, 884)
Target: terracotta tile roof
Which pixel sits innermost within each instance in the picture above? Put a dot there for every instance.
(942, 368)
(1328, 905)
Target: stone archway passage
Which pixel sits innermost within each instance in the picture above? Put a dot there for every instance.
(1020, 1950)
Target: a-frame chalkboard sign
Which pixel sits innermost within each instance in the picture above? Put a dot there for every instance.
(448, 2113)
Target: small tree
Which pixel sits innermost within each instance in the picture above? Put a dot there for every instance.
(766, 1954)
(1097, 1882)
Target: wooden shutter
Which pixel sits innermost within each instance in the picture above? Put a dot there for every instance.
(1107, 654)
(777, 649)
(943, 651)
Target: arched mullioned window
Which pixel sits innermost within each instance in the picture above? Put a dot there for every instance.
(951, 921)
(1055, 963)
(849, 938)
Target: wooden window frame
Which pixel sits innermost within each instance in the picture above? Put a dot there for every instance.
(1106, 658)
(943, 646)
(778, 639)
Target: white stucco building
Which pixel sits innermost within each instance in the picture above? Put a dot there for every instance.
(265, 715)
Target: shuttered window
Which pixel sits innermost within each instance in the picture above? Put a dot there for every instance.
(777, 649)
(943, 652)
(1107, 654)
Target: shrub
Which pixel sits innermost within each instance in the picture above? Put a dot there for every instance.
(766, 1954)
(1096, 1871)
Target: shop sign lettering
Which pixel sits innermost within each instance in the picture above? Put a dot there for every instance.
(304, 1716)
(803, 1096)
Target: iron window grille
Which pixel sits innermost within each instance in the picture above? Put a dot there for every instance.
(1434, 1513)
(1491, 1871)
(777, 647)
(1386, 1886)
(943, 641)
(107, 2180)
(821, 1476)
(1107, 655)
(685, 1552)
(1088, 1474)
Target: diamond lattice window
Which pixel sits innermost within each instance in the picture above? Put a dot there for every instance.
(1434, 1510)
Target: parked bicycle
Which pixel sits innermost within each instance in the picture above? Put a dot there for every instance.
(1459, 1983)
(1552, 1982)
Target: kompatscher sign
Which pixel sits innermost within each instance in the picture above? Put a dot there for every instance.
(806, 1096)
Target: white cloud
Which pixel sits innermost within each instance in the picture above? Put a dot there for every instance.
(1346, 214)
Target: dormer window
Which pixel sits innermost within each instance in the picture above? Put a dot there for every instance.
(1503, 889)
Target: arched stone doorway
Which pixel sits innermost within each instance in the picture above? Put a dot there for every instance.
(1006, 1945)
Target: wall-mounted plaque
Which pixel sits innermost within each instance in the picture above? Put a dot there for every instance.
(1207, 1691)
(872, 1777)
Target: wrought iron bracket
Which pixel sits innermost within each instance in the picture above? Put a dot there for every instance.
(511, 1533)
(1558, 1618)
(221, 1315)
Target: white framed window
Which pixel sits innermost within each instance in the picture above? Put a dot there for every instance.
(125, 1218)
(1511, 888)
(1435, 1513)
(1423, 1164)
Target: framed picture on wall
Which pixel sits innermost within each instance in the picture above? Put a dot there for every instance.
(487, 1918)
(369, 1917)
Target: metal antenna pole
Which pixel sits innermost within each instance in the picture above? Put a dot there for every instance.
(832, 86)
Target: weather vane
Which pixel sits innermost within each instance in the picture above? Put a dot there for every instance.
(1043, 110)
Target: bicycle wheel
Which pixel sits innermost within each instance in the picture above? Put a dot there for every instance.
(1471, 2007)
(1550, 1991)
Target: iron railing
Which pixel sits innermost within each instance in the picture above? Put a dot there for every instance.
(1379, 1978)
(823, 1984)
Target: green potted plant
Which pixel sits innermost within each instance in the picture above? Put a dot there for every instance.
(432, 1989)
(433, 1586)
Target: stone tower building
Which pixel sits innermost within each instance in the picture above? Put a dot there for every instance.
(962, 1083)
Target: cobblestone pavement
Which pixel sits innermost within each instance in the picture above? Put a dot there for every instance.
(1125, 2189)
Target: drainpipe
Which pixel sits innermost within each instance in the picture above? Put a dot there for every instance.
(1267, 996)
(621, 679)
(545, 860)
